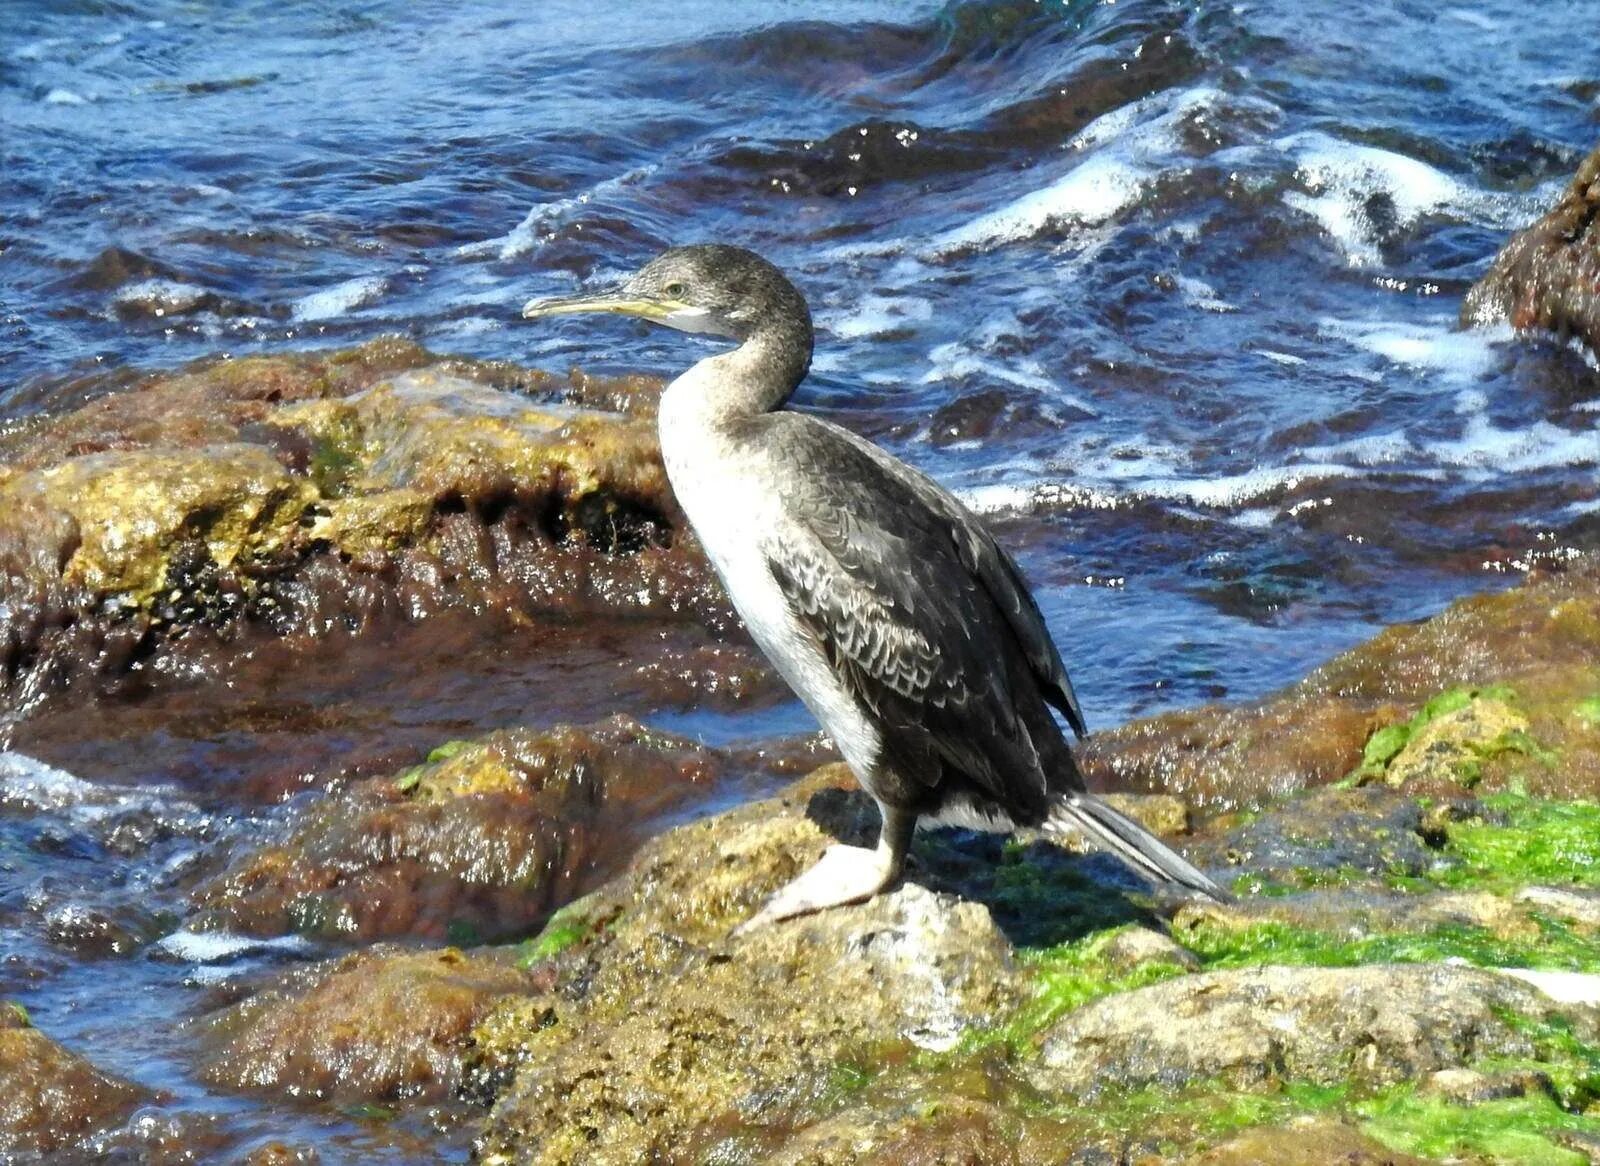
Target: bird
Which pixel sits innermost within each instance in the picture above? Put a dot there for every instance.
(879, 597)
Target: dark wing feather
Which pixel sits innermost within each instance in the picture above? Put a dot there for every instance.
(921, 613)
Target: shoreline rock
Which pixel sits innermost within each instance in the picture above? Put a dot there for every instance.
(286, 496)
(1548, 276)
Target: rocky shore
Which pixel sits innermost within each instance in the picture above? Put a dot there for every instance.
(525, 931)
(1412, 971)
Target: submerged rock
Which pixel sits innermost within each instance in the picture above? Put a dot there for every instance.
(51, 1099)
(1377, 1025)
(1548, 276)
(479, 842)
(376, 1025)
(293, 495)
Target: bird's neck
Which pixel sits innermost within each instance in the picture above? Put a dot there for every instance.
(757, 377)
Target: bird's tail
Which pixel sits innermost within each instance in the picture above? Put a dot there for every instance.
(1100, 824)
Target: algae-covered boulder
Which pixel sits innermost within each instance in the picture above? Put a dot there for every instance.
(375, 1025)
(296, 495)
(664, 1034)
(1377, 1024)
(478, 842)
(1548, 276)
(51, 1098)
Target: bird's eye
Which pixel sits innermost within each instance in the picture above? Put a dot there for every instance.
(674, 289)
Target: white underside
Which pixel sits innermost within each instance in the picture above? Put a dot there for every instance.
(723, 489)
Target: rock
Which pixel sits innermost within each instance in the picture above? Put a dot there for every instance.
(53, 1098)
(1134, 946)
(1311, 1142)
(301, 494)
(957, 1132)
(1376, 1025)
(1470, 1087)
(142, 518)
(1328, 831)
(1535, 647)
(376, 1025)
(1548, 276)
(1450, 739)
(663, 1031)
(1579, 906)
(478, 843)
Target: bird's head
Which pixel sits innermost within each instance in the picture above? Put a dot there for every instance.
(704, 287)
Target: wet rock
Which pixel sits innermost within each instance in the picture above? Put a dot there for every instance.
(1377, 1024)
(1216, 757)
(1133, 946)
(957, 1132)
(1372, 830)
(664, 1031)
(52, 1098)
(1447, 742)
(133, 514)
(379, 1024)
(296, 495)
(1547, 276)
(1534, 648)
(1311, 1142)
(1469, 1087)
(479, 842)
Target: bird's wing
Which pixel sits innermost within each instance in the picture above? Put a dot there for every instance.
(919, 611)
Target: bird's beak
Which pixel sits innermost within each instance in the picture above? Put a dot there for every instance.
(673, 313)
(648, 309)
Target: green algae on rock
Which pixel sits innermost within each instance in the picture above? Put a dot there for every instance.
(52, 1098)
(378, 1024)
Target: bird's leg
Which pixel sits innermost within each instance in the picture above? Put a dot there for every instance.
(844, 874)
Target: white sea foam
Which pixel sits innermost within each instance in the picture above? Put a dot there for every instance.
(1437, 347)
(1127, 149)
(332, 302)
(1232, 490)
(1023, 497)
(876, 315)
(28, 785)
(160, 297)
(212, 947)
(1202, 295)
(1343, 177)
(1540, 446)
(65, 97)
(525, 236)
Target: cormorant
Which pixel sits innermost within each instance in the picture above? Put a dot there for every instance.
(882, 600)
